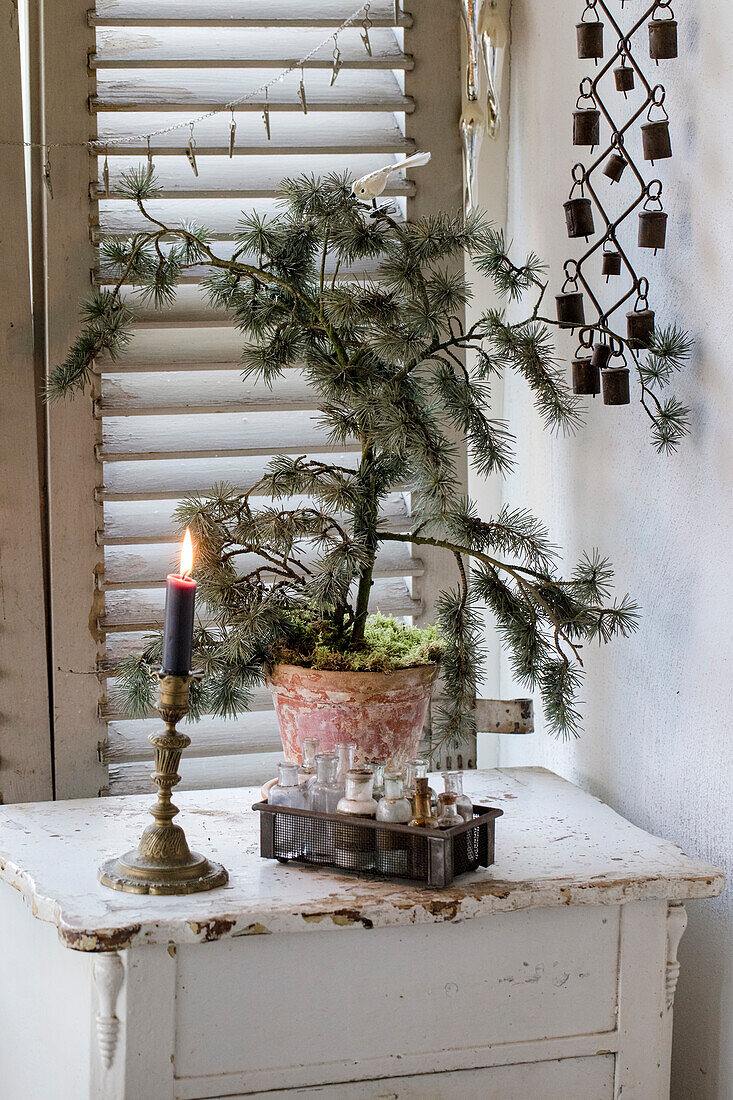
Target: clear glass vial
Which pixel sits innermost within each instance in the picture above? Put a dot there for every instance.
(394, 806)
(323, 796)
(345, 753)
(325, 792)
(454, 785)
(355, 846)
(448, 815)
(287, 791)
(393, 849)
(377, 768)
(308, 749)
(423, 818)
(358, 798)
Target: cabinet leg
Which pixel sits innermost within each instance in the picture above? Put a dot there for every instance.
(109, 975)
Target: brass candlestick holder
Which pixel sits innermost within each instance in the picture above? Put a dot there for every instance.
(163, 863)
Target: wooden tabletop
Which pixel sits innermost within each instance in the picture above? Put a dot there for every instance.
(555, 845)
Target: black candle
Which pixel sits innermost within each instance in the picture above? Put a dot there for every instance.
(180, 597)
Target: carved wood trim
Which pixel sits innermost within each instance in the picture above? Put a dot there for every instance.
(676, 925)
(109, 974)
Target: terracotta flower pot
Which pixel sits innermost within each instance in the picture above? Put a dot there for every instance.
(383, 712)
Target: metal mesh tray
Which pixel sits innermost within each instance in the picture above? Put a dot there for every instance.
(365, 846)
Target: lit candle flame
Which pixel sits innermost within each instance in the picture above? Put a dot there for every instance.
(186, 555)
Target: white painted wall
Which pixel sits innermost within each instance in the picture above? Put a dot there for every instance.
(656, 743)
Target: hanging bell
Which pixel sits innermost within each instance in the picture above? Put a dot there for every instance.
(639, 327)
(624, 77)
(590, 40)
(615, 167)
(611, 264)
(662, 39)
(586, 126)
(570, 309)
(655, 140)
(652, 229)
(601, 354)
(616, 386)
(579, 218)
(586, 377)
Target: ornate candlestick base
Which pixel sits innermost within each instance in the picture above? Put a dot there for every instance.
(163, 863)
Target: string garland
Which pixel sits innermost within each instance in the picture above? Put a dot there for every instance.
(105, 146)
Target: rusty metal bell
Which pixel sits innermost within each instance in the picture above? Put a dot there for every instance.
(615, 167)
(656, 141)
(590, 40)
(662, 39)
(624, 77)
(639, 327)
(586, 126)
(579, 218)
(652, 229)
(586, 377)
(601, 354)
(616, 386)
(611, 264)
(570, 309)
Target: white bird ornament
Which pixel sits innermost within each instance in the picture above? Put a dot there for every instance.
(369, 187)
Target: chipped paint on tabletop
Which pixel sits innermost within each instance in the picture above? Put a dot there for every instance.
(555, 846)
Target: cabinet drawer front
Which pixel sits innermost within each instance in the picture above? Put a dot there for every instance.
(367, 1004)
(568, 1079)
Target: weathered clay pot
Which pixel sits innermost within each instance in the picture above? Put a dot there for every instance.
(383, 712)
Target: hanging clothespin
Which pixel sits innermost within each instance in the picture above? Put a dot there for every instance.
(366, 25)
(398, 11)
(191, 151)
(301, 92)
(266, 115)
(232, 133)
(336, 66)
(47, 173)
(105, 171)
(151, 166)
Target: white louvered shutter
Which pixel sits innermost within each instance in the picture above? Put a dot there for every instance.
(173, 413)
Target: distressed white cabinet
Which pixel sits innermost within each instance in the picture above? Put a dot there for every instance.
(551, 974)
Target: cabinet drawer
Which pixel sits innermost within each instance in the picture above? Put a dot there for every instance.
(568, 1079)
(368, 1004)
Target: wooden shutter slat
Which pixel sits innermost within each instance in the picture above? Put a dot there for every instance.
(228, 13)
(199, 92)
(125, 726)
(128, 740)
(140, 615)
(210, 392)
(141, 522)
(138, 568)
(199, 47)
(171, 480)
(247, 770)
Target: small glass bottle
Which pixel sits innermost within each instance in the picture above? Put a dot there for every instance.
(325, 792)
(345, 753)
(287, 791)
(393, 849)
(448, 815)
(355, 847)
(394, 806)
(323, 796)
(417, 769)
(424, 818)
(307, 771)
(358, 798)
(454, 785)
(377, 767)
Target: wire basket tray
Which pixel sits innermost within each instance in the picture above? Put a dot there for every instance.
(365, 846)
